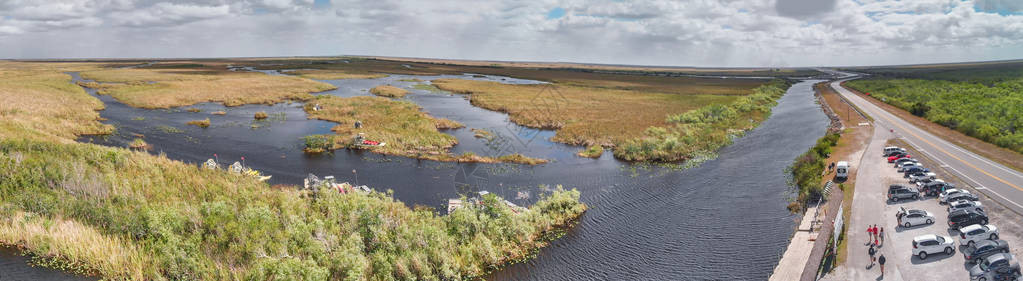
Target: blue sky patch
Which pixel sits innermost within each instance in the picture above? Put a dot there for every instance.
(321, 4)
(556, 13)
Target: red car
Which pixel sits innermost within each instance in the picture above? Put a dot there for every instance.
(891, 159)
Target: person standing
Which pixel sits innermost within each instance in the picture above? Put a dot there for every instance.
(871, 252)
(880, 260)
(875, 235)
(870, 232)
(882, 235)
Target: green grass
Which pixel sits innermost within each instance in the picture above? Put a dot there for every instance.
(205, 123)
(979, 104)
(593, 151)
(702, 131)
(808, 168)
(388, 91)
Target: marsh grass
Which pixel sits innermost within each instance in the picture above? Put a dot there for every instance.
(260, 115)
(405, 129)
(427, 87)
(388, 91)
(581, 115)
(205, 123)
(193, 110)
(593, 151)
(169, 130)
(138, 143)
(166, 88)
(130, 215)
(334, 74)
(218, 112)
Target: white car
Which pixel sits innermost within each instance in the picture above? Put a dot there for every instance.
(965, 205)
(926, 175)
(948, 192)
(914, 217)
(924, 245)
(976, 232)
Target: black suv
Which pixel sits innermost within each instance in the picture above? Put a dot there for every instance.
(933, 188)
(961, 218)
(984, 249)
(896, 192)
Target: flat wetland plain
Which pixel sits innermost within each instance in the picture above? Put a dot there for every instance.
(122, 214)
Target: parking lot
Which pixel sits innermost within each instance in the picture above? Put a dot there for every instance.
(870, 206)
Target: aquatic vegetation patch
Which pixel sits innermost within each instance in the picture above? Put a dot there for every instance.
(427, 87)
(388, 91)
(593, 151)
(169, 129)
(390, 127)
(334, 74)
(218, 112)
(205, 123)
(260, 115)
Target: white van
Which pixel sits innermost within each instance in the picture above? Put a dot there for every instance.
(842, 170)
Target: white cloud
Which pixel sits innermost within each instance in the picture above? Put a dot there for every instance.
(663, 32)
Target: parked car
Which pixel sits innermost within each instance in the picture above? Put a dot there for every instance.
(935, 187)
(973, 233)
(896, 152)
(902, 192)
(961, 196)
(920, 176)
(842, 170)
(996, 267)
(907, 165)
(983, 249)
(903, 160)
(891, 159)
(913, 169)
(909, 218)
(925, 245)
(963, 218)
(892, 149)
(950, 191)
(965, 205)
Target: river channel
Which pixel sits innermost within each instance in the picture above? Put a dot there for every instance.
(725, 219)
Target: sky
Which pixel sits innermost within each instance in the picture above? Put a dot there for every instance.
(703, 33)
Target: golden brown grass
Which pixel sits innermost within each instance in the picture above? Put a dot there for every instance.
(405, 129)
(447, 124)
(39, 102)
(388, 91)
(205, 123)
(81, 247)
(260, 115)
(582, 115)
(165, 88)
(193, 110)
(334, 74)
(218, 112)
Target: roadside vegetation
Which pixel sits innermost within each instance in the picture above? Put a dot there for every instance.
(131, 215)
(400, 125)
(388, 91)
(981, 102)
(166, 88)
(808, 168)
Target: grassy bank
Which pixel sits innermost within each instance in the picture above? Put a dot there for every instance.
(388, 91)
(405, 129)
(320, 74)
(165, 88)
(128, 215)
(581, 115)
(808, 168)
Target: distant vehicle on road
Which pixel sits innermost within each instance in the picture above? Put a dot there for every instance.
(984, 249)
(897, 156)
(909, 218)
(965, 205)
(974, 233)
(925, 245)
(1002, 266)
(962, 218)
(902, 192)
(842, 170)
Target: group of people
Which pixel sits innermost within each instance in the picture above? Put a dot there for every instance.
(875, 240)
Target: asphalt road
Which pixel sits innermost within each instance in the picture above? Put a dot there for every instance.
(996, 180)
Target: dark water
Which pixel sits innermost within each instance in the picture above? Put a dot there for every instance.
(14, 266)
(724, 219)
